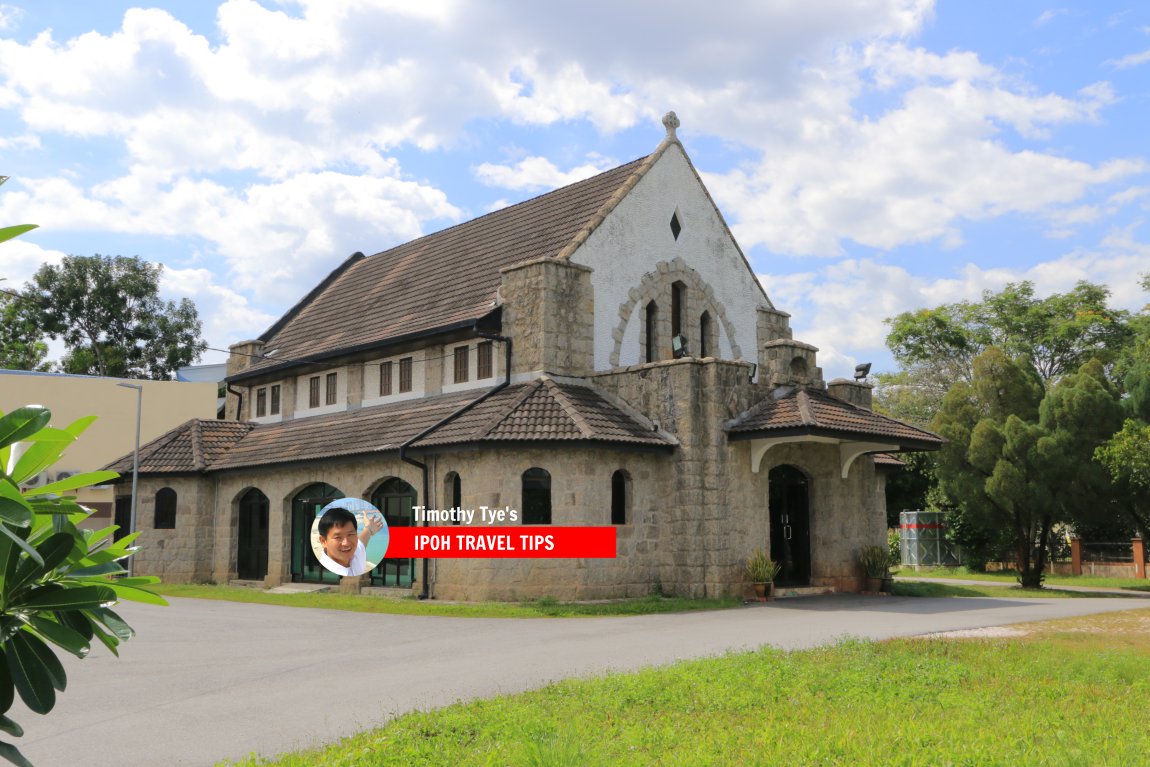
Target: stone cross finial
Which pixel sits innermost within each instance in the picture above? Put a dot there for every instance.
(671, 122)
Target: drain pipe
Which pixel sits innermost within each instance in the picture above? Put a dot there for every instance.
(239, 403)
(425, 591)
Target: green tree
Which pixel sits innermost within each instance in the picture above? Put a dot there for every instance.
(108, 312)
(1057, 334)
(987, 465)
(1127, 457)
(1020, 455)
(21, 344)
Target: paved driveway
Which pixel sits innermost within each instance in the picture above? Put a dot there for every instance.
(206, 680)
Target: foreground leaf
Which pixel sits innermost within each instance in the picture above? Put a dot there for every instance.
(35, 682)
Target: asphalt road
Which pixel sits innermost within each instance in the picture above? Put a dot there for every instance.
(205, 680)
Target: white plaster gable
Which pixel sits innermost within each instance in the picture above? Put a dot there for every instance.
(634, 251)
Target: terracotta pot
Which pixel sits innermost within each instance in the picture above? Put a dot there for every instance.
(874, 585)
(761, 591)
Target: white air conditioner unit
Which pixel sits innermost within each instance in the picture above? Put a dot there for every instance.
(62, 475)
(39, 480)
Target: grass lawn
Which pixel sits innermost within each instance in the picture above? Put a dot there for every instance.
(540, 608)
(1056, 693)
(913, 589)
(1132, 584)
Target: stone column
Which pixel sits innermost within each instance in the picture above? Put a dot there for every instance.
(548, 312)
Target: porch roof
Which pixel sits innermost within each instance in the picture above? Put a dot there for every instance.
(794, 415)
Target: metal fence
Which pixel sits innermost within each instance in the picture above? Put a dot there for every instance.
(1123, 551)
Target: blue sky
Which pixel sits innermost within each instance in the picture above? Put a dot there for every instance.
(871, 157)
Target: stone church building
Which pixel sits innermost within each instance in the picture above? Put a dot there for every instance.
(599, 355)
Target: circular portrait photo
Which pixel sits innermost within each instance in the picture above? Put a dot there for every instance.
(349, 536)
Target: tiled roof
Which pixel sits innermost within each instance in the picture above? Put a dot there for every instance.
(887, 460)
(541, 410)
(194, 445)
(812, 411)
(547, 410)
(439, 281)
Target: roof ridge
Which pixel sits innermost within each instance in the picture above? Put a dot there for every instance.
(501, 416)
(197, 436)
(568, 407)
(802, 399)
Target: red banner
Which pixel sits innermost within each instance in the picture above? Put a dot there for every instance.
(540, 542)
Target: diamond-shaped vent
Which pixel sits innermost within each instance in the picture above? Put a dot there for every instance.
(676, 227)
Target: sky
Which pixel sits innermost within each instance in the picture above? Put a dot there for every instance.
(871, 157)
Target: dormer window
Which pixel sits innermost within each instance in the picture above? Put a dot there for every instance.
(462, 355)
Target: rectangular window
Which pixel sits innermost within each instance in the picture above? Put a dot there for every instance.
(384, 378)
(313, 392)
(261, 402)
(483, 360)
(275, 399)
(405, 375)
(461, 359)
(330, 394)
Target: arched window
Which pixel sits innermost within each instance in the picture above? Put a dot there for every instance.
(165, 509)
(620, 497)
(252, 536)
(536, 497)
(678, 308)
(397, 500)
(651, 353)
(799, 368)
(705, 349)
(453, 491)
(305, 567)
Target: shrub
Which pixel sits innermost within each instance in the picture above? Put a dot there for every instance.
(761, 568)
(59, 582)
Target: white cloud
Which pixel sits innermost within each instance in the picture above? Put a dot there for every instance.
(275, 143)
(916, 172)
(1049, 15)
(19, 260)
(537, 173)
(1130, 60)
(227, 315)
(275, 237)
(841, 306)
(10, 17)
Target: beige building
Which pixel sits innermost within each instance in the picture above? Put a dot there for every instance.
(599, 355)
(163, 405)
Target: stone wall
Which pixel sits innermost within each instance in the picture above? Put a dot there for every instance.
(580, 496)
(184, 553)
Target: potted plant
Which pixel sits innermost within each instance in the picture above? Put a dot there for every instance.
(874, 560)
(762, 570)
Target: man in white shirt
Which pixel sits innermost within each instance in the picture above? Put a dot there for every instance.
(345, 552)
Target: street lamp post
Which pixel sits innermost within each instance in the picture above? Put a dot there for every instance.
(135, 459)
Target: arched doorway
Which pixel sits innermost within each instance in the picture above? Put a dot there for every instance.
(305, 568)
(396, 499)
(790, 525)
(252, 536)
